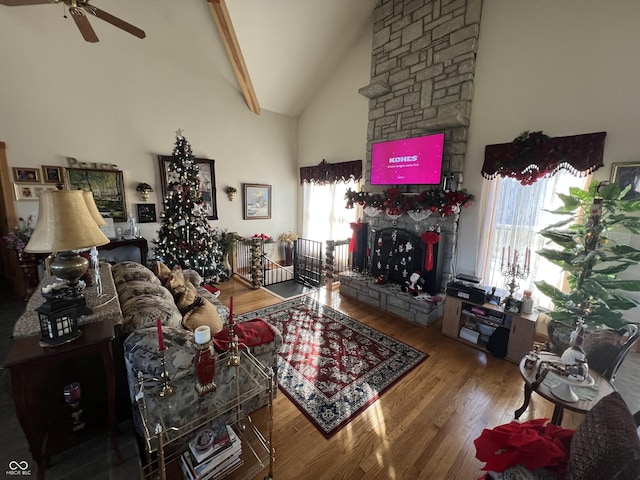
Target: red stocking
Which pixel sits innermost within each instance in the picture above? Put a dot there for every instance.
(430, 239)
(353, 244)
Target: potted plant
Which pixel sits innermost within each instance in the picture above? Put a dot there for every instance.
(597, 298)
(18, 237)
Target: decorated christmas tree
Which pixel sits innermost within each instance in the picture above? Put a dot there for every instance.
(185, 237)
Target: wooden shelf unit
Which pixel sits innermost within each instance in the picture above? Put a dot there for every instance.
(488, 317)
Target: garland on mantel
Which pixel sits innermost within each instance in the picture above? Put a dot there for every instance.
(393, 202)
(534, 155)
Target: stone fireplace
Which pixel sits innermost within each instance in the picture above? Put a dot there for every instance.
(422, 72)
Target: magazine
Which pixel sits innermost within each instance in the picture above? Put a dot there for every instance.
(225, 458)
(218, 437)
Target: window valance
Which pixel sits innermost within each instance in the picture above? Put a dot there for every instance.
(331, 172)
(534, 155)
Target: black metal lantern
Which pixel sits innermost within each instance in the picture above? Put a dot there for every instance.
(58, 322)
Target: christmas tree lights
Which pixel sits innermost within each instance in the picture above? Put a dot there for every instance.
(185, 237)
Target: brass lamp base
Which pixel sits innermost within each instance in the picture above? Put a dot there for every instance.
(69, 266)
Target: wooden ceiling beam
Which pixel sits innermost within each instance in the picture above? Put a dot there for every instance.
(228, 34)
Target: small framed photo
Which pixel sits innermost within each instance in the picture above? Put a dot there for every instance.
(109, 229)
(512, 305)
(146, 212)
(26, 175)
(627, 174)
(52, 174)
(29, 192)
(257, 201)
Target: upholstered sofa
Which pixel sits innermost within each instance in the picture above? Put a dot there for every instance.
(604, 446)
(143, 299)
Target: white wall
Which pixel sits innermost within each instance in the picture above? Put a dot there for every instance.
(333, 127)
(121, 100)
(565, 68)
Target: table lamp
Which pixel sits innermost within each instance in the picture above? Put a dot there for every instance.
(65, 225)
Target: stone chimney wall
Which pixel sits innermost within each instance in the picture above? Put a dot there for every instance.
(422, 70)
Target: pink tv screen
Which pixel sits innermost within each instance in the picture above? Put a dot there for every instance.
(408, 161)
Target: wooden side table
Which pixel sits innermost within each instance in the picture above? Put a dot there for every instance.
(37, 389)
(581, 406)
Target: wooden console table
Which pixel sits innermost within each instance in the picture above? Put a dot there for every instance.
(139, 243)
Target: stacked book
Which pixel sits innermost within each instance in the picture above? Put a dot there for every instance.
(213, 453)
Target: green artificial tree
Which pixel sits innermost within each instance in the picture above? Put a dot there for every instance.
(185, 237)
(592, 259)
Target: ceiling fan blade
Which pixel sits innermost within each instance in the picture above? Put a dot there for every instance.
(115, 21)
(20, 3)
(87, 31)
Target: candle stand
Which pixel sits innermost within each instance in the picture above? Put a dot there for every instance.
(513, 271)
(167, 389)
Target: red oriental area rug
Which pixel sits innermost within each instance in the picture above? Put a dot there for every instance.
(332, 366)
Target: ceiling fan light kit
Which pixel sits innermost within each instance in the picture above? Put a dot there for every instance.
(78, 10)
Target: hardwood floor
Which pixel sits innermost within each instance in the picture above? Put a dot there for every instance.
(422, 428)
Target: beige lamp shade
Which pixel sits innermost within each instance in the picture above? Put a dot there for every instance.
(64, 223)
(93, 209)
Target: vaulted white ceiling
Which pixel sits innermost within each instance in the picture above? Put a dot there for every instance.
(290, 47)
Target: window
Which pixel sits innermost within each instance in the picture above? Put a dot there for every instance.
(325, 216)
(513, 216)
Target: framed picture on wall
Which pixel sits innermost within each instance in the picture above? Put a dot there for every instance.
(107, 187)
(207, 175)
(26, 175)
(52, 174)
(627, 174)
(146, 212)
(256, 201)
(29, 192)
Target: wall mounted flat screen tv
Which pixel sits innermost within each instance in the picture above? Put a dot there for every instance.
(409, 161)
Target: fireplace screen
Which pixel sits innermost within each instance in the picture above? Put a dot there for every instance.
(396, 254)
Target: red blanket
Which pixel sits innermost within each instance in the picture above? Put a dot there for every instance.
(250, 333)
(534, 444)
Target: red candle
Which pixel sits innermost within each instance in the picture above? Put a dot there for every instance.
(230, 311)
(160, 337)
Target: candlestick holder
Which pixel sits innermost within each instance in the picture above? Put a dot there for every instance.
(234, 356)
(167, 389)
(514, 271)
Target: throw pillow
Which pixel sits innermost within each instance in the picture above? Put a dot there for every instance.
(605, 444)
(173, 280)
(250, 334)
(161, 270)
(196, 311)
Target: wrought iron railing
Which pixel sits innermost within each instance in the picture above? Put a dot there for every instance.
(255, 266)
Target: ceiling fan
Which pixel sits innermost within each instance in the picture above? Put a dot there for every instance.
(78, 10)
